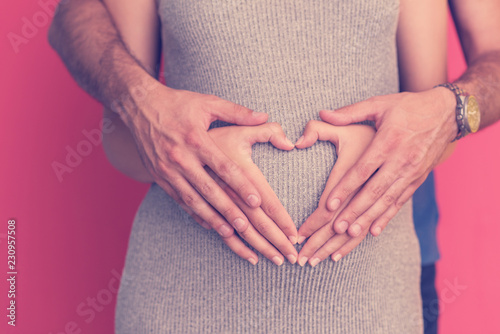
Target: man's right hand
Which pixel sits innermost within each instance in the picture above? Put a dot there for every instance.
(170, 129)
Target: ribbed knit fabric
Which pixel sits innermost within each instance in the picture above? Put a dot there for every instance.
(289, 59)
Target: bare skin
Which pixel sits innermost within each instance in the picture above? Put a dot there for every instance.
(163, 122)
(106, 69)
(406, 148)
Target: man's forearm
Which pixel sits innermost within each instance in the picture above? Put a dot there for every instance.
(482, 79)
(86, 39)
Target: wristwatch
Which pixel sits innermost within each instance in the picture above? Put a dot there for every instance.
(467, 112)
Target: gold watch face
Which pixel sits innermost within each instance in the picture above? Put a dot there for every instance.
(473, 115)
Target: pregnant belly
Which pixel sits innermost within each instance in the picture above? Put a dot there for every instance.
(298, 177)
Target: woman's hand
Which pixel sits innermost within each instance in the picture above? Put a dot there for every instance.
(271, 230)
(350, 142)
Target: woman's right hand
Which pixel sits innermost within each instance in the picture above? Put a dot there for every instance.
(271, 230)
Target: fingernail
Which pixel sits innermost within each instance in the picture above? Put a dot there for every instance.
(342, 226)
(334, 204)
(301, 239)
(252, 261)
(253, 200)
(376, 231)
(314, 262)
(300, 140)
(293, 239)
(291, 258)
(337, 257)
(224, 230)
(277, 261)
(302, 261)
(355, 230)
(289, 143)
(239, 224)
(257, 113)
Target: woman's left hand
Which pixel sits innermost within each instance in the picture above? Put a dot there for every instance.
(350, 141)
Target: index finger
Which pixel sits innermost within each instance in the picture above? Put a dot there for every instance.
(232, 174)
(372, 159)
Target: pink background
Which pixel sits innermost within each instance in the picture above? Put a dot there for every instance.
(72, 235)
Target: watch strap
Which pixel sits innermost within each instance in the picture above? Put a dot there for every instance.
(460, 95)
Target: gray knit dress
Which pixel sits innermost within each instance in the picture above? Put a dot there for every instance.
(289, 59)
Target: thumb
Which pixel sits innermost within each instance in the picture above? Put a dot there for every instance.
(270, 132)
(236, 114)
(317, 130)
(354, 113)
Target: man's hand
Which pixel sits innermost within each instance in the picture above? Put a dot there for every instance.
(413, 131)
(170, 130)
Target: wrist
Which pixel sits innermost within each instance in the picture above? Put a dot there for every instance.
(467, 112)
(450, 105)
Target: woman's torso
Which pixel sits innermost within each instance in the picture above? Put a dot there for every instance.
(289, 59)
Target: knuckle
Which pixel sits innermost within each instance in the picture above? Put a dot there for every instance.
(377, 191)
(246, 234)
(194, 140)
(238, 109)
(399, 204)
(228, 212)
(326, 216)
(363, 171)
(367, 219)
(274, 126)
(263, 227)
(345, 192)
(214, 220)
(189, 199)
(162, 169)
(353, 214)
(388, 199)
(416, 156)
(207, 188)
(393, 140)
(271, 208)
(176, 156)
(312, 124)
(227, 168)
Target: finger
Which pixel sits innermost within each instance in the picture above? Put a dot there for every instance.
(208, 188)
(380, 192)
(381, 222)
(322, 216)
(228, 171)
(238, 247)
(361, 215)
(347, 247)
(270, 132)
(194, 216)
(234, 113)
(191, 198)
(317, 130)
(319, 218)
(333, 244)
(315, 242)
(358, 112)
(268, 229)
(273, 208)
(372, 158)
(170, 191)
